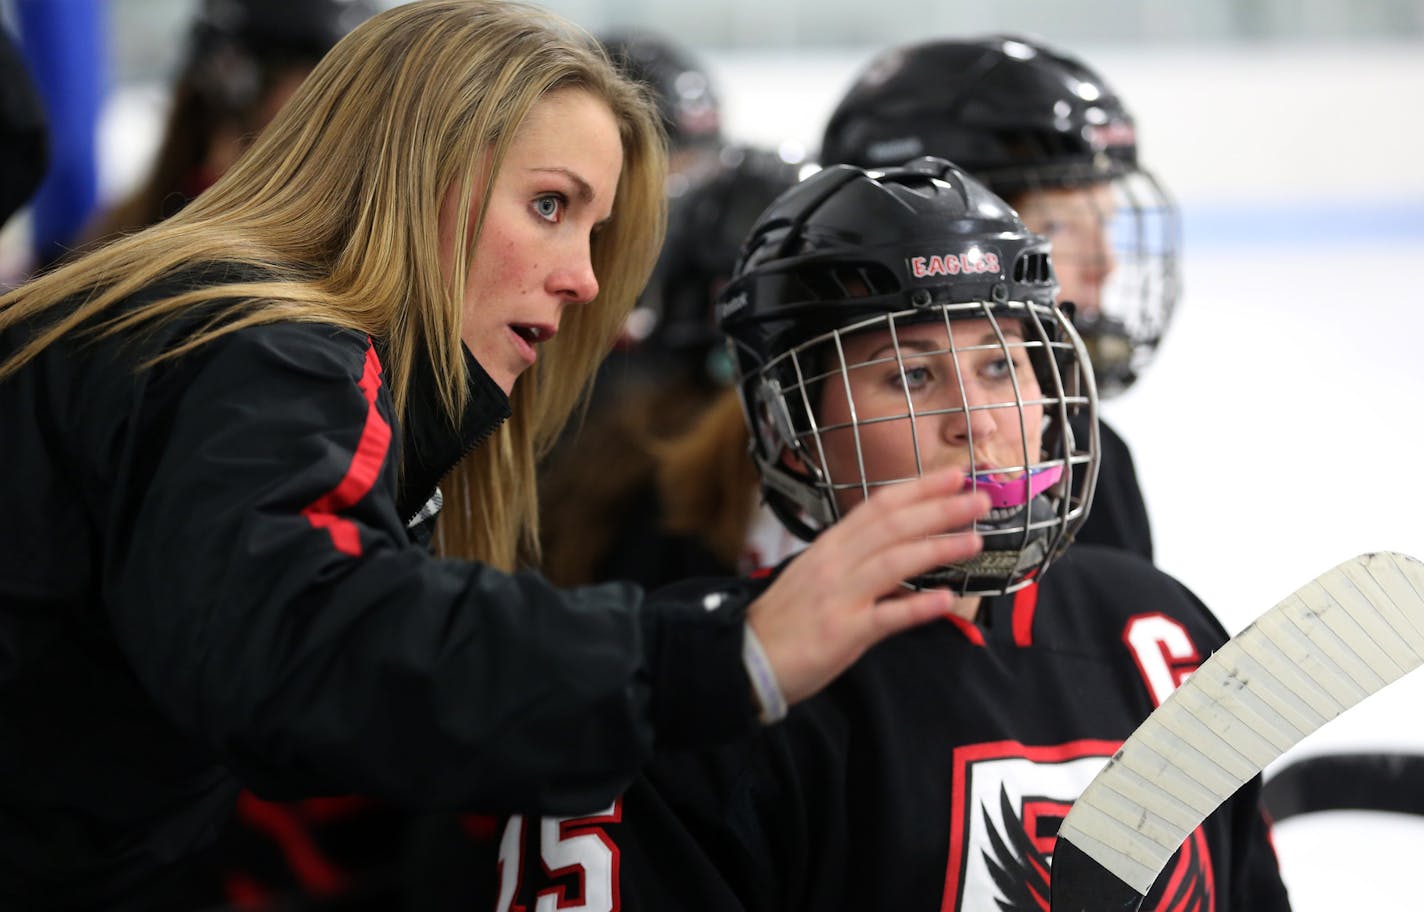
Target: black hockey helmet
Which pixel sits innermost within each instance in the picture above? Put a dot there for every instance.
(1022, 116)
(848, 251)
(1012, 112)
(236, 44)
(681, 85)
(707, 221)
(299, 27)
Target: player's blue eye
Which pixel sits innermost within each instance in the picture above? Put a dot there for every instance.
(913, 378)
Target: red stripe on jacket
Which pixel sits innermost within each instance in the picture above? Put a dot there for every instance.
(365, 467)
(316, 873)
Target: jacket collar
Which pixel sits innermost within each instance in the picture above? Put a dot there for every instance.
(430, 447)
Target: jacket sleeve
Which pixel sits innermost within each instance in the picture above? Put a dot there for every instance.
(265, 592)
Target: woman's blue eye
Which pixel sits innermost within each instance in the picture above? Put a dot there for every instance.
(1004, 368)
(549, 207)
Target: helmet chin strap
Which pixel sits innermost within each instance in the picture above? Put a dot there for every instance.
(1023, 513)
(1012, 544)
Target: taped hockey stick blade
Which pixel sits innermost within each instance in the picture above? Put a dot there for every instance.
(1324, 648)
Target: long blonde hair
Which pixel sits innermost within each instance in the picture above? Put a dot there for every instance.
(339, 200)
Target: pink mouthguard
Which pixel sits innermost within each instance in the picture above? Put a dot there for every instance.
(1015, 492)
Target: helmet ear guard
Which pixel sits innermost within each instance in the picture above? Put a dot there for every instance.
(789, 475)
(829, 261)
(708, 218)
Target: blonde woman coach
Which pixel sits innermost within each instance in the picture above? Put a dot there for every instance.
(221, 440)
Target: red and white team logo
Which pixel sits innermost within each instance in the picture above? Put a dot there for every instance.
(1010, 801)
(1111, 135)
(972, 262)
(1164, 653)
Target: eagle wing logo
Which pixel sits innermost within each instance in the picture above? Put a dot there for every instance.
(1021, 870)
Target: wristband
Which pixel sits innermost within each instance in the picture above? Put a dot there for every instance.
(768, 692)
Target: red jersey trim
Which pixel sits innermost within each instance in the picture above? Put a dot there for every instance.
(365, 467)
(1174, 898)
(967, 627)
(1025, 603)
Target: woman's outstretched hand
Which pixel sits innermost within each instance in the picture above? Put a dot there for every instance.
(842, 594)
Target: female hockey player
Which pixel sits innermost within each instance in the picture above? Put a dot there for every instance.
(888, 324)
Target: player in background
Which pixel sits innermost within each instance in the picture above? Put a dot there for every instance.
(242, 61)
(1049, 135)
(606, 513)
(659, 488)
(685, 93)
(887, 324)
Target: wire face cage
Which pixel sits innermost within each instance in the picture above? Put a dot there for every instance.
(1002, 390)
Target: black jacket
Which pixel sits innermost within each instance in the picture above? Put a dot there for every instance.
(207, 576)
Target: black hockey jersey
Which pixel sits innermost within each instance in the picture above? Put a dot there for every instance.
(932, 775)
